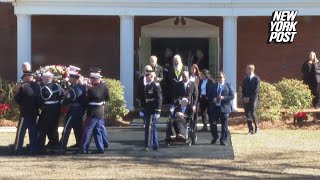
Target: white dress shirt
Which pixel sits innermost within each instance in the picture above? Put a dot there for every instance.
(203, 87)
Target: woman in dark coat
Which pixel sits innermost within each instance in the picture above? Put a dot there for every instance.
(309, 76)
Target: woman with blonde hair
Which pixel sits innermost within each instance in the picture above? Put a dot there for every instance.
(309, 75)
(175, 75)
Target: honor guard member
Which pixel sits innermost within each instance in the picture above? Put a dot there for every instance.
(51, 94)
(97, 96)
(76, 99)
(27, 98)
(151, 109)
(104, 137)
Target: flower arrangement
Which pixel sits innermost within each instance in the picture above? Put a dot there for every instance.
(299, 117)
(61, 74)
(4, 110)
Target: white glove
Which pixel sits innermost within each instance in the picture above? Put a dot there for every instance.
(157, 115)
(141, 114)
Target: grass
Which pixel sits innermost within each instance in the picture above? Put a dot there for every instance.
(269, 154)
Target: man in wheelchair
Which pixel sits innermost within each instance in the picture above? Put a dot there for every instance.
(177, 124)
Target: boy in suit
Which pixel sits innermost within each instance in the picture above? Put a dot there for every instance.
(250, 92)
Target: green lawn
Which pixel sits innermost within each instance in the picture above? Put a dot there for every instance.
(269, 154)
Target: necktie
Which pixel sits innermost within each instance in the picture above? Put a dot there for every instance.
(219, 89)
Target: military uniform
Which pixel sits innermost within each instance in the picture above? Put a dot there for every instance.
(76, 99)
(27, 98)
(50, 94)
(97, 95)
(151, 106)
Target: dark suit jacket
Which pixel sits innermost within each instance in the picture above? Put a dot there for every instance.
(208, 86)
(250, 88)
(187, 113)
(308, 74)
(191, 92)
(159, 72)
(227, 92)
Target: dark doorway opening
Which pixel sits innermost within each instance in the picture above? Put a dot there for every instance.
(181, 46)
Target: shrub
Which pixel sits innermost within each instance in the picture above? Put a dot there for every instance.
(7, 97)
(270, 101)
(296, 95)
(117, 104)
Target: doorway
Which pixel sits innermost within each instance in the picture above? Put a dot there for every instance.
(186, 47)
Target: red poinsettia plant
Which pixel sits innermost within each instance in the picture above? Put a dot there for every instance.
(301, 115)
(4, 110)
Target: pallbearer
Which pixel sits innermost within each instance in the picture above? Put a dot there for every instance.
(97, 96)
(51, 94)
(76, 99)
(27, 98)
(151, 107)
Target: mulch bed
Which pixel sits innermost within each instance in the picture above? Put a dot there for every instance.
(239, 123)
(7, 123)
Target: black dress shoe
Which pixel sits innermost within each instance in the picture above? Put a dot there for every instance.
(223, 143)
(250, 133)
(257, 130)
(75, 146)
(213, 141)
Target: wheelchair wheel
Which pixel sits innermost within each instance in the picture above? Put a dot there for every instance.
(194, 138)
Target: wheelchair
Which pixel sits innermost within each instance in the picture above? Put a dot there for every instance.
(190, 132)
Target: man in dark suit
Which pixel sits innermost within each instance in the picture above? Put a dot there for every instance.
(220, 96)
(250, 93)
(204, 85)
(188, 89)
(156, 68)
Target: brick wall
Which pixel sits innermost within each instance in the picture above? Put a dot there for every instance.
(8, 42)
(79, 40)
(275, 61)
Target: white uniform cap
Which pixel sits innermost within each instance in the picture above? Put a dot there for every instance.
(95, 75)
(73, 74)
(74, 68)
(47, 74)
(185, 100)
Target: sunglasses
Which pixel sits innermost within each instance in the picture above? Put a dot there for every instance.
(219, 77)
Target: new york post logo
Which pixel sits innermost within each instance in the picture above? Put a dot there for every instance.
(283, 27)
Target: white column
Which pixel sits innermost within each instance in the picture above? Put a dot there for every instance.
(230, 52)
(127, 58)
(23, 41)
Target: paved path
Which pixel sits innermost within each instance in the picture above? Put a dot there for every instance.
(128, 141)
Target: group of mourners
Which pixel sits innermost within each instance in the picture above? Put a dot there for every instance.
(40, 105)
(193, 92)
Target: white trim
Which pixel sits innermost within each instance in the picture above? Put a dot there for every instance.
(230, 52)
(193, 28)
(23, 42)
(165, 7)
(126, 58)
